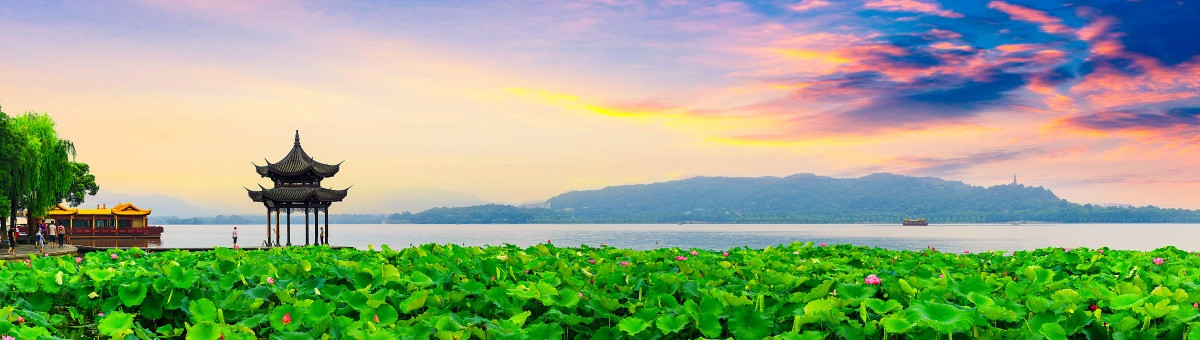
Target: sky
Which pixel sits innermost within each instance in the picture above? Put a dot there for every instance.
(515, 102)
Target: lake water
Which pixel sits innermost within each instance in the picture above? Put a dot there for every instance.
(953, 238)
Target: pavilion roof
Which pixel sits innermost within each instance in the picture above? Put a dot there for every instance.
(297, 194)
(297, 162)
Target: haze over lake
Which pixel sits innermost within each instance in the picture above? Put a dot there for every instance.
(950, 238)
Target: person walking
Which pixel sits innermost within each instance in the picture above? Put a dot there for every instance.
(41, 242)
(235, 236)
(62, 235)
(12, 240)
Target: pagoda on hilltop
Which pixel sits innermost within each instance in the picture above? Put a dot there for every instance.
(297, 179)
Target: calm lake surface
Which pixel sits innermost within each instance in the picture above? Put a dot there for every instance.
(954, 238)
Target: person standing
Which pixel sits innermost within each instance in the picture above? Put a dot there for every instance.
(235, 236)
(53, 230)
(62, 235)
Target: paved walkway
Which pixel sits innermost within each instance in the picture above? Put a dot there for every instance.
(23, 251)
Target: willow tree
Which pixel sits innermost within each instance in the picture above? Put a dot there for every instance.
(8, 161)
(40, 171)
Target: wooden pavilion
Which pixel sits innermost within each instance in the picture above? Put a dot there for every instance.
(297, 187)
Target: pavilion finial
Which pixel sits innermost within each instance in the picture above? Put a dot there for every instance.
(297, 138)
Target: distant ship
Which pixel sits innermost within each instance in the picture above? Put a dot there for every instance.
(920, 221)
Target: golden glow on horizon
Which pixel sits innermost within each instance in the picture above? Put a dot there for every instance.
(512, 113)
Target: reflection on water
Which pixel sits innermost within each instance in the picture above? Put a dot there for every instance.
(954, 238)
(115, 242)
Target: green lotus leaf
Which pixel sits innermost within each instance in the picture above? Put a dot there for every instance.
(747, 323)
(1053, 331)
(943, 318)
(633, 325)
(1126, 301)
(1038, 276)
(883, 307)
(544, 331)
(133, 293)
(895, 324)
(98, 275)
(202, 310)
(671, 323)
(419, 279)
(1066, 297)
(116, 324)
(206, 330)
(855, 292)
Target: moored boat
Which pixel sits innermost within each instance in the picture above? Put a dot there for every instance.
(919, 222)
(123, 220)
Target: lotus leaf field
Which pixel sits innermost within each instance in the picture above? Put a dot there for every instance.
(544, 292)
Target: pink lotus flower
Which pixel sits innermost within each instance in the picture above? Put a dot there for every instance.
(1100, 251)
(592, 261)
(942, 276)
(287, 318)
(1196, 304)
(270, 280)
(376, 318)
(547, 241)
(7, 337)
(680, 258)
(1158, 261)
(113, 256)
(966, 251)
(20, 319)
(624, 263)
(872, 280)
(694, 253)
(1094, 307)
(78, 260)
(822, 244)
(725, 254)
(236, 247)
(1066, 250)
(100, 314)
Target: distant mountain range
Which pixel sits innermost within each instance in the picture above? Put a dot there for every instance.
(159, 205)
(803, 198)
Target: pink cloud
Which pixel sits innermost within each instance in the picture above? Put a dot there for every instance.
(1048, 23)
(808, 4)
(910, 6)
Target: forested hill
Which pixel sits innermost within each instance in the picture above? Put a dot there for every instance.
(805, 198)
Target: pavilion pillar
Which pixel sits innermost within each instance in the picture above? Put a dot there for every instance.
(326, 225)
(276, 227)
(306, 226)
(317, 225)
(268, 226)
(289, 226)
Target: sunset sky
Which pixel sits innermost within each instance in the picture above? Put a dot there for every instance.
(1098, 101)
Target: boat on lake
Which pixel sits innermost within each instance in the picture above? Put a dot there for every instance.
(123, 220)
(919, 222)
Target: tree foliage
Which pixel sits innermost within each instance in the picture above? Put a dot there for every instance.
(37, 170)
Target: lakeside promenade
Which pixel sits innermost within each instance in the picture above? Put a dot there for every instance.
(23, 251)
